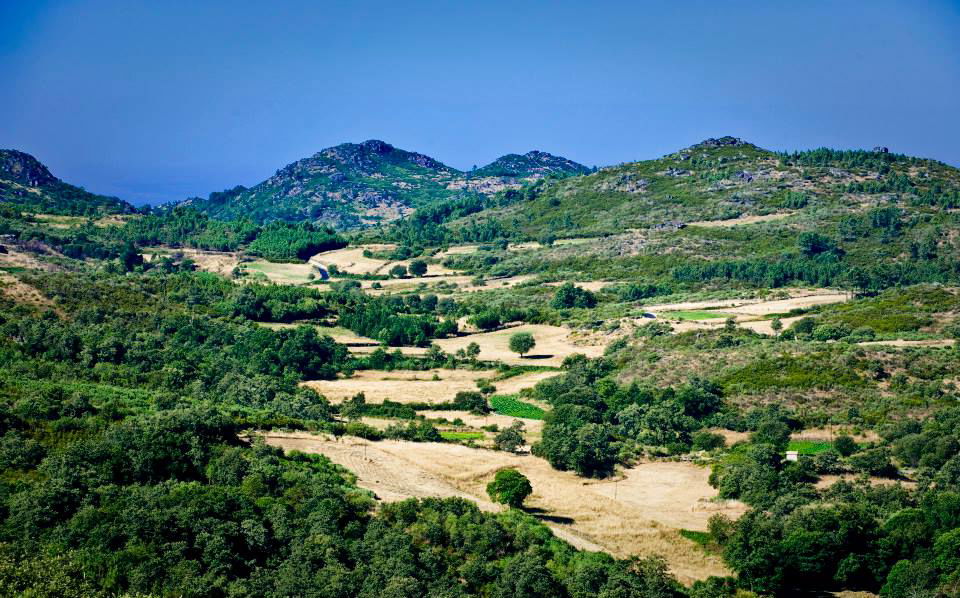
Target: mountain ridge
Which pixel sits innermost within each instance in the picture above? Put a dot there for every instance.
(351, 185)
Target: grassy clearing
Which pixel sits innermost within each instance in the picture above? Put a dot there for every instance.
(809, 447)
(511, 406)
(701, 538)
(695, 314)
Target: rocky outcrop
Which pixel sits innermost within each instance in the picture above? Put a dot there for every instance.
(24, 169)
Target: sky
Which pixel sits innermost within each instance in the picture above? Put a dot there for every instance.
(159, 101)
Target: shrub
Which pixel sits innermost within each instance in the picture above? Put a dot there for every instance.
(568, 295)
(845, 445)
(510, 439)
(707, 441)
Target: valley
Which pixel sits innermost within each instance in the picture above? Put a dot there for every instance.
(692, 361)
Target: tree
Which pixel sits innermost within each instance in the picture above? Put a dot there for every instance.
(472, 351)
(398, 271)
(510, 439)
(522, 342)
(418, 267)
(845, 445)
(471, 401)
(509, 487)
(810, 243)
(776, 325)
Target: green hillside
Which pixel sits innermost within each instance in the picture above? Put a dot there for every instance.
(353, 185)
(725, 209)
(28, 184)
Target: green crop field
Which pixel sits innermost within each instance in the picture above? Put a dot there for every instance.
(450, 435)
(511, 406)
(809, 447)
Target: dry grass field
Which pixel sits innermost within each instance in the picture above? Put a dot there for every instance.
(351, 259)
(218, 262)
(408, 386)
(748, 313)
(554, 343)
(637, 513)
(282, 273)
(402, 386)
(740, 221)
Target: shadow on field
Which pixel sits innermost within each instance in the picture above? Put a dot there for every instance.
(543, 516)
(544, 356)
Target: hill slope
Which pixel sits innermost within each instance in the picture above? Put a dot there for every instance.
(722, 179)
(728, 209)
(28, 184)
(353, 185)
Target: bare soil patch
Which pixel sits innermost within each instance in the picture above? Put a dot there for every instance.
(757, 307)
(18, 258)
(639, 514)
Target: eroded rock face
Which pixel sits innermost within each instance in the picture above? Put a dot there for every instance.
(725, 141)
(24, 169)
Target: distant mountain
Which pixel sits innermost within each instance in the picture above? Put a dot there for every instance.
(26, 182)
(352, 185)
(530, 165)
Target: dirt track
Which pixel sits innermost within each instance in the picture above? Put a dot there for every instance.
(639, 514)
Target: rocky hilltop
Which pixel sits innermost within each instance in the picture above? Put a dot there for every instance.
(28, 184)
(359, 184)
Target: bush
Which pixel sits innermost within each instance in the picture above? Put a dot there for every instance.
(569, 295)
(874, 462)
(845, 445)
(707, 441)
(510, 439)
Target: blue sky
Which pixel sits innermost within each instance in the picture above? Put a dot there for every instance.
(156, 101)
